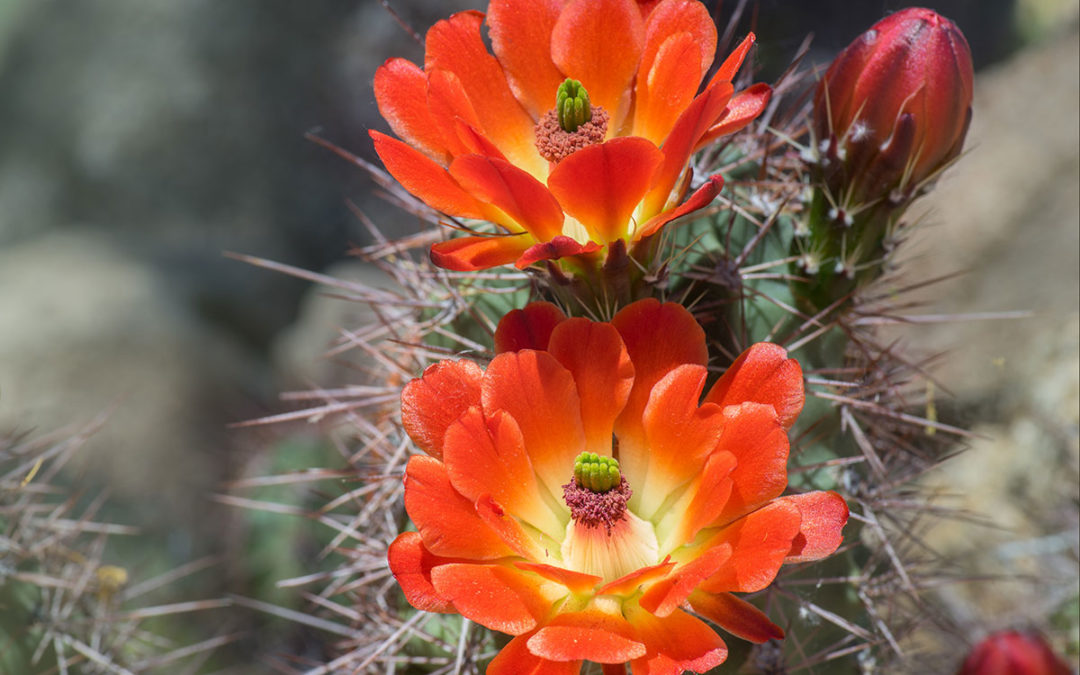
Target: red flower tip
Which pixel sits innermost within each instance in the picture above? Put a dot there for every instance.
(1013, 653)
(895, 105)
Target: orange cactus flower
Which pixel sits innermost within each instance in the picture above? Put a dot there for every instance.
(580, 494)
(575, 134)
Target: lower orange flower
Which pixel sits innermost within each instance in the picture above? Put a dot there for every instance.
(580, 494)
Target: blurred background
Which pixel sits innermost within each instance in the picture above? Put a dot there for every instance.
(142, 139)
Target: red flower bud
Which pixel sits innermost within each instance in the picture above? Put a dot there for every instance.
(894, 106)
(1013, 653)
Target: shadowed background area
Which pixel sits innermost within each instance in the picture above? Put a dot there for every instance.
(141, 139)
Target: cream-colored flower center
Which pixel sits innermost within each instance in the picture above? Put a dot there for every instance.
(630, 545)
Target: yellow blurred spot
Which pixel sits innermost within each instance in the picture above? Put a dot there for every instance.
(110, 578)
(999, 362)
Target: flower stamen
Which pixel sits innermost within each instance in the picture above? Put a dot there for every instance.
(574, 123)
(598, 494)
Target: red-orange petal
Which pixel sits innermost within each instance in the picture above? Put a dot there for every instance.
(424, 178)
(736, 616)
(824, 515)
(679, 436)
(701, 198)
(760, 541)
(442, 515)
(468, 254)
(628, 583)
(763, 374)
(658, 338)
(691, 125)
(516, 659)
(601, 184)
(559, 247)
(449, 106)
(595, 355)
(528, 328)
(521, 38)
(676, 16)
(599, 42)
(743, 109)
(578, 582)
(432, 402)
(591, 634)
(486, 455)
(411, 565)
(730, 66)
(542, 398)
(676, 644)
(401, 94)
(711, 495)
(474, 142)
(508, 528)
(499, 183)
(665, 596)
(498, 597)
(455, 44)
(753, 433)
(666, 87)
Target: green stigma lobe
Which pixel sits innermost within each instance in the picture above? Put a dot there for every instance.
(596, 473)
(572, 105)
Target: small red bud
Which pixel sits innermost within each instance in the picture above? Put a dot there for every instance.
(894, 106)
(1013, 653)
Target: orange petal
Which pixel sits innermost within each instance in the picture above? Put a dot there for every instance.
(431, 403)
(676, 16)
(759, 542)
(411, 565)
(577, 582)
(401, 94)
(495, 596)
(680, 40)
(486, 455)
(528, 328)
(679, 436)
(450, 105)
(754, 435)
(823, 517)
(711, 493)
(542, 398)
(455, 44)
(520, 33)
(591, 634)
(468, 254)
(658, 338)
(595, 355)
(516, 192)
(516, 659)
(509, 529)
(743, 109)
(736, 616)
(666, 87)
(601, 184)
(701, 198)
(629, 583)
(665, 596)
(691, 125)
(763, 374)
(559, 247)
(447, 521)
(675, 644)
(599, 42)
(476, 143)
(426, 179)
(730, 66)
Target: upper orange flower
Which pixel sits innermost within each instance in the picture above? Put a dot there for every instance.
(483, 139)
(594, 557)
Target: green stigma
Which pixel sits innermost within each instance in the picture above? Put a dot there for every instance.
(596, 473)
(572, 105)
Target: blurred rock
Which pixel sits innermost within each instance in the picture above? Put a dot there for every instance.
(87, 329)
